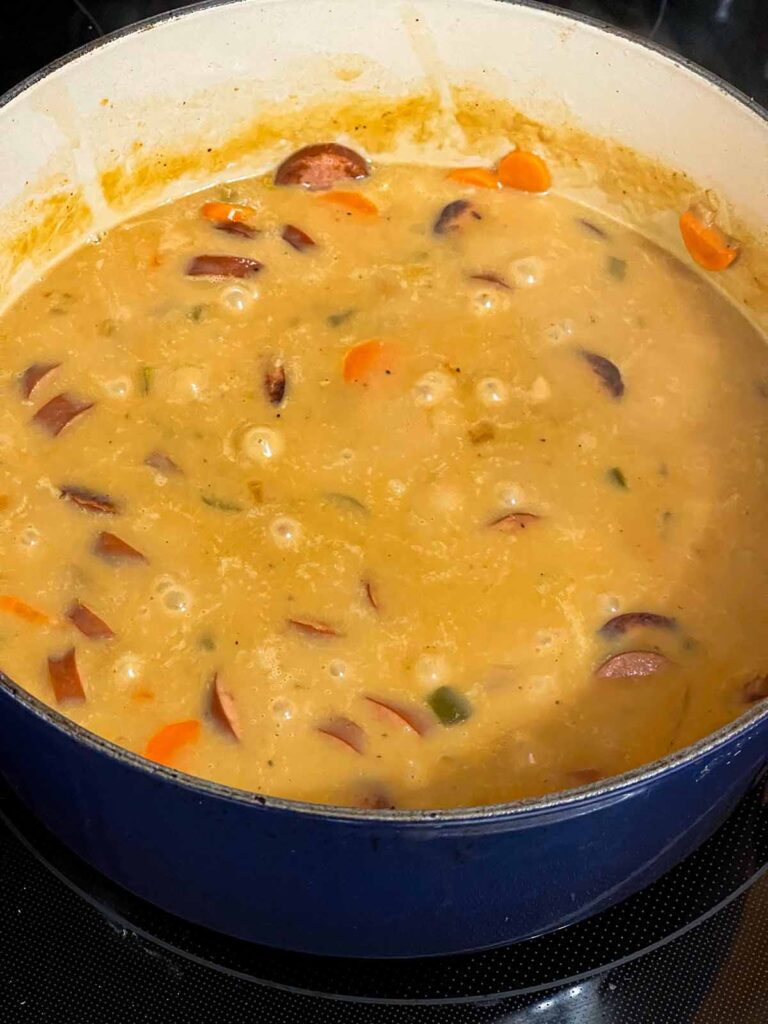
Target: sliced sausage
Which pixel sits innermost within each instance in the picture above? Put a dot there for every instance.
(495, 279)
(32, 376)
(65, 678)
(223, 708)
(113, 549)
(88, 622)
(321, 166)
(223, 266)
(313, 627)
(621, 624)
(297, 238)
(346, 731)
(371, 595)
(275, 382)
(607, 372)
(415, 717)
(162, 463)
(591, 228)
(61, 410)
(512, 522)
(630, 664)
(88, 500)
(455, 216)
(236, 227)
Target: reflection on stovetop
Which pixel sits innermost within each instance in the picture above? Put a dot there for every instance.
(680, 952)
(730, 37)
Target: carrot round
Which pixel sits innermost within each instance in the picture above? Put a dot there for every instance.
(705, 242)
(22, 610)
(169, 741)
(232, 212)
(350, 202)
(368, 359)
(525, 171)
(479, 177)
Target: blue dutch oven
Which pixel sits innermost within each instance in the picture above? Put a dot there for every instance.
(365, 883)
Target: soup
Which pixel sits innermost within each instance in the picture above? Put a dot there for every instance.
(408, 488)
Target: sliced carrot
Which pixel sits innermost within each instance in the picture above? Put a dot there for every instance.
(479, 177)
(22, 610)
(525, 171)
(707, 244)
(351, 202)
(169, 741)
(368, 358)
(232, 212)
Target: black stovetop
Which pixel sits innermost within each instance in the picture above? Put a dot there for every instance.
(691, 949)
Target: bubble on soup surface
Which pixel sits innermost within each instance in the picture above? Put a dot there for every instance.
(609, 603)
(282, 710)
(29, 538)
(528, 272)
(237, 299)
(262, 444)
(120, 387)
(127, 669)
(337, 669)
(509, 495)
(431, 669)
(484, 302)
(187, 384)
(177, 600)
(432, 388)
(285, 532)
(492, 391)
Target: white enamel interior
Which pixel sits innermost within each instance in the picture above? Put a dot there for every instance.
(203, 75)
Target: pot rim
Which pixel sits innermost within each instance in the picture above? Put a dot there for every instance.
(560, 800)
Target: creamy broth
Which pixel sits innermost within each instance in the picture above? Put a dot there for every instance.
(423, 510)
